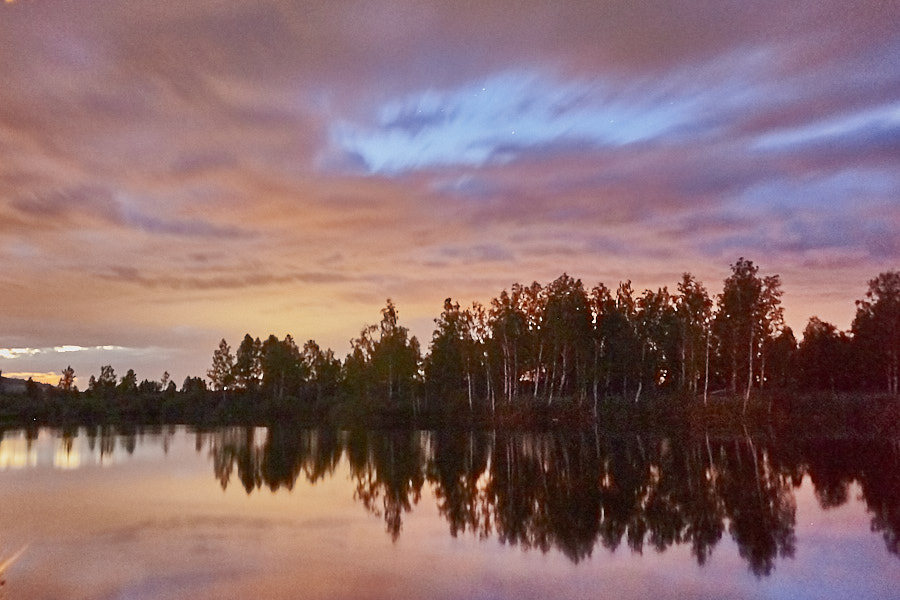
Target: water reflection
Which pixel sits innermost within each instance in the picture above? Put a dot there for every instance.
(572, 491)
(74, 448)
(568, 492)
(272, 457)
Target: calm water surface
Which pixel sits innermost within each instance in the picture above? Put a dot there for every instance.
(238, 513)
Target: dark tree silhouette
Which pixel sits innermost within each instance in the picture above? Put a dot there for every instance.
(221, 373)
(876, 329)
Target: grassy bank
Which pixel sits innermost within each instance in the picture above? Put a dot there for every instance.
(774, 413)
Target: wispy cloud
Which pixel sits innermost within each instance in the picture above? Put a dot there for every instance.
(495, 119)
(68, 348)
(869, 123)
(65, 207)
(245, 279)
(12, 353)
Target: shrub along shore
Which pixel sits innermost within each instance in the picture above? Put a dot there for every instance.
(774, 413)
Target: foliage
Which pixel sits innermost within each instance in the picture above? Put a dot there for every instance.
(67, 380)
(876, 330)
(383, 367)
(536, 353)
(221, 373)
(824, 358)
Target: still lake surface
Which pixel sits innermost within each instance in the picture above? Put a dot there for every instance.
(281, 513)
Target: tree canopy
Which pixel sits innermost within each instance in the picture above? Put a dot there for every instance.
(536, 348)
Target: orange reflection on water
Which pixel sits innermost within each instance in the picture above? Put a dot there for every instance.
(247, 512)
(19, 451)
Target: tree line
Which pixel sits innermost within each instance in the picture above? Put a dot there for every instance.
(564, 342)
(541, 349)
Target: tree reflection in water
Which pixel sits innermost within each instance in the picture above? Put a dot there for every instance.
(570, 491)
(389, 469)
(275, 457)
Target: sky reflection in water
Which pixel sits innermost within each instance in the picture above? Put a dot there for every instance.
(282, 514)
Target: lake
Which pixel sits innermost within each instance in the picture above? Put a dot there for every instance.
(251, 512)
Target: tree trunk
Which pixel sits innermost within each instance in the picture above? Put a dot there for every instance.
(469, 386)
(562, 375)
(749, 375)
(893, 373)
(706, 371)
(490, 386)
(733, 370)
(637, 395)
(514, 383)
(552, 383)
(506, 393)
(762, 366)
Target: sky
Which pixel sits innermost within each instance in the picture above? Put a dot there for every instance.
(172, 174)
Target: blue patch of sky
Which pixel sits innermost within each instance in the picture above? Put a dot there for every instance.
(466, 186)
(827, 211)
(802, 234)
(839, 192)
(493, 121)
(873, 122)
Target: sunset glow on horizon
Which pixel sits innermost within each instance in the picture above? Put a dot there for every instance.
(173, 174)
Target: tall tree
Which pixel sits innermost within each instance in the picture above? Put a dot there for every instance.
(749, 318)
(657, 331)
(478, 319)
(448, 365)
(619, 330)
(248, 363)
(323, 369)
(876, 329)
(566, 327)
(781, 354)
(771, 319)
(508, 329)
(282, 366)
(67, 380)
(693, 308)
(533, 306)
(823, 358)
(107, 377)
(105, 384)
(356, 375)
(128, 384)
(221, 373)
(601, 304)
(395, 356)
(737, 324)
(312, 357)
(384, 360)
